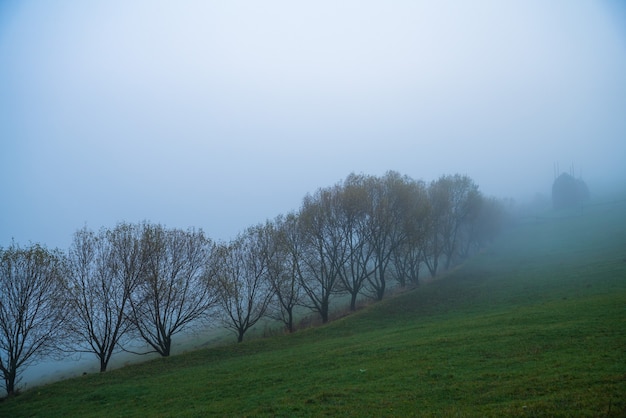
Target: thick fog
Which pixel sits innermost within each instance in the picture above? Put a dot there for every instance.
(222, 114)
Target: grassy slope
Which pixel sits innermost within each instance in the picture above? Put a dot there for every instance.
(520, 330)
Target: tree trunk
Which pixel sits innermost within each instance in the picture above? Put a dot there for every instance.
(402, 280)
(415, 274)
(353, 301)
(290, 320)
(448, 261)
(380, 291)
(9, 379)
(103, 364)
(432, 267)
(324, 312)
(166, 346)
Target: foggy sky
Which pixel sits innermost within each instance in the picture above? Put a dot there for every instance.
(221, 114)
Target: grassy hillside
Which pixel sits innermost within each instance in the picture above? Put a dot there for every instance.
(534, 326)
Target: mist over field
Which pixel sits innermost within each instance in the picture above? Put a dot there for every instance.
(219, 115)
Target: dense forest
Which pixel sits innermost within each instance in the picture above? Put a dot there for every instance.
(149, 282)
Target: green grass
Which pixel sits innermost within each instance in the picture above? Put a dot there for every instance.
(534, 326)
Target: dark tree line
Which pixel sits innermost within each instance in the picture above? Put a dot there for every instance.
(147, 282)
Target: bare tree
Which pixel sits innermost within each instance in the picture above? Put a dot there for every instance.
(454, 200)
(324, 250)
(354, 226)
(283, 269)
(387, 229)
(481, 226)
(440, 206)
(242, 276)
(466, 202)
(32, 308)
(407, 257)
(175, 290)
(103, 272)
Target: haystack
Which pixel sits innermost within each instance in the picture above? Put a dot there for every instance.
(568, 192)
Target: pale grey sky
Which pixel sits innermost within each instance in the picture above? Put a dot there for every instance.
(221, 114)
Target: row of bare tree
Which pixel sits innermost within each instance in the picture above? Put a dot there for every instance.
(145, 281)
